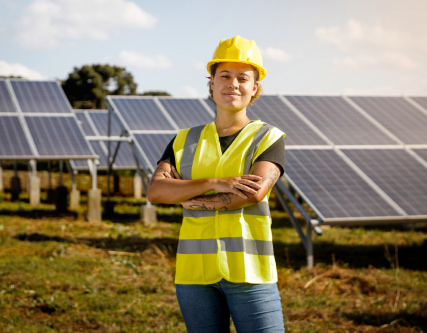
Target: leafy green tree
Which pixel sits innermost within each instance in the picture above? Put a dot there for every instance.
(155, 93)
(87, 87)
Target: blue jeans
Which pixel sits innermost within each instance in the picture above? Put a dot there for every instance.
(253, 307)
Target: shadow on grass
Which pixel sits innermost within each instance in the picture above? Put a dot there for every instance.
(40, 213)
(352, 256)
(287, 255)
(120, 243)
(390, 321)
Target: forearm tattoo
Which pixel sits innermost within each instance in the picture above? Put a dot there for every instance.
(273, 175)
(216, 202)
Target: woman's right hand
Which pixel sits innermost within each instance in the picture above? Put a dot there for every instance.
(240, 186)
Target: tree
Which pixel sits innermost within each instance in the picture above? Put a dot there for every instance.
(155, 93)
(87, 87)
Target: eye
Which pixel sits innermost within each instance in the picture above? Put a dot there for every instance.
(225, 76)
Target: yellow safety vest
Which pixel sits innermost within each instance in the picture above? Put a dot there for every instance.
(235, 245)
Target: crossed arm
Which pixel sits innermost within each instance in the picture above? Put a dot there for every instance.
(166, 186)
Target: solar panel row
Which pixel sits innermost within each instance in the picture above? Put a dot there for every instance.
(346, 155)
(37, 122)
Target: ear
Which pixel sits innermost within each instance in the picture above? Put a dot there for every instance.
(211, 81)
(255, 89)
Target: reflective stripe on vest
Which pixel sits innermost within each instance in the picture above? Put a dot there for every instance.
(229, 244)
(236, 244)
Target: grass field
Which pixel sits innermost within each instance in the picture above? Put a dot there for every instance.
(59, 273)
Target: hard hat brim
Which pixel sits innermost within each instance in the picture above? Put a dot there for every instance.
(261, 70)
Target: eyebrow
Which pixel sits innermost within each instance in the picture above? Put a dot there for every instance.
(226, 71)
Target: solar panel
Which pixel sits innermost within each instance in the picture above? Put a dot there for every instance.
(422, 153)
(274, 111)
(186, 112)
(99, 150)
(153, 145)
(40, 97)
(12, 138)
(6, 104)
(422, 100)
(339, 121)
(100, 120)
(396, 114)
(211, 103)
(398, 174)
(87, 129)
(141, 113)
(58, 136)
(332, 187)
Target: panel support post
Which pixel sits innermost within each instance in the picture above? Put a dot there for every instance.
(94, 197)
(309, 240)
(75, 194)
(34, 185)
(1, 178)
(310, 224)
(148, 211)
(137, 186)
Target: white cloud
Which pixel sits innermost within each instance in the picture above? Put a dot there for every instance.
(15, 69)
(380, 61)
(373, 46)
(141, 60)
(358, 36)
(51, 23)
(276, 54)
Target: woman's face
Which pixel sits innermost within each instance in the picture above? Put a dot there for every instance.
(233, 85)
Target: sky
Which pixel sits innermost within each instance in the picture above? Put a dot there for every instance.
(328, 47)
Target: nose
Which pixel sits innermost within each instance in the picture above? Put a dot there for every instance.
(234, 84)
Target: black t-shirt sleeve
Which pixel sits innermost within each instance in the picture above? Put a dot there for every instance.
(168, 154)
(276, 154)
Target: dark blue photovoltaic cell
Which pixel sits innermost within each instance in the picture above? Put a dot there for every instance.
(124, 158)
(339, 121)
(186, 112)
(6, 104)
(211, 103)
(333, 188)
(153, 145)
(87, 128)
(397, 115)
(40, 96)
(12, 138)
(422, 153)
(141, 114)
(398, 174)
(98, 149)
(421, 100)
(58, 136)
(275, 112)
(100, 119)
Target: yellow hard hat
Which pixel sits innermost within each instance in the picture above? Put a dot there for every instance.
(238, 49)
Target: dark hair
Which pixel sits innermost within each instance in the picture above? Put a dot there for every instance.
(256, 76)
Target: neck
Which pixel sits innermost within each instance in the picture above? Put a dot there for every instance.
(228, 123)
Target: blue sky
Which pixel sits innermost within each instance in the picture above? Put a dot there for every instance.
(369, 47)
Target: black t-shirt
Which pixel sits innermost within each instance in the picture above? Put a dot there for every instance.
(275, 153)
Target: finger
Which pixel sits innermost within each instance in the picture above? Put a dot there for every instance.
(251, 184)
(246, 189)
(175, 173)
(167, 175)
(251, 177)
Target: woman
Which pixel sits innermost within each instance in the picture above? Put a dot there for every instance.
(222, 174)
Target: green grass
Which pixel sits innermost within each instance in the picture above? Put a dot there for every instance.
(60, 273)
